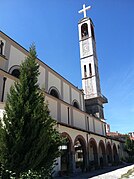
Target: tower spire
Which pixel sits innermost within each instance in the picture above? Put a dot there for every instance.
(84, 10)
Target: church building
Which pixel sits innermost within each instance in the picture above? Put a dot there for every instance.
(79, 113)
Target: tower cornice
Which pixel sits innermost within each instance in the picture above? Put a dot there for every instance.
(85, 19)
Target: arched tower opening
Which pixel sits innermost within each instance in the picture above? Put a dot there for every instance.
(84, 31)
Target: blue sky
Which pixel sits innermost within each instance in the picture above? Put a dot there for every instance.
(52, 25)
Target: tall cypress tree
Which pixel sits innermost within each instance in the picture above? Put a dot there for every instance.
(31, 140)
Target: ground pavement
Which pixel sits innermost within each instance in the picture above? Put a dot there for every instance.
(116, 174)
(106, 173)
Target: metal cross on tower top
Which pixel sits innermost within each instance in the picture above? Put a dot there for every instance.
(84, 10)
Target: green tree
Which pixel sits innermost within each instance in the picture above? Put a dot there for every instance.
(1, 141)
(129, 147)
(2, 146)
(31, 141)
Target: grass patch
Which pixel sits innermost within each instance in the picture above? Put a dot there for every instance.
(129, 172)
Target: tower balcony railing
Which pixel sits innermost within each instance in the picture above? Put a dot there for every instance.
(102, 98)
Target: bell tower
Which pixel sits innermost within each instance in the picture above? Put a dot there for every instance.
(94, 100)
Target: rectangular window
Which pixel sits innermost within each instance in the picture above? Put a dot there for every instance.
(68, 115)
(87, 123)
(85, 71)
(90, 70)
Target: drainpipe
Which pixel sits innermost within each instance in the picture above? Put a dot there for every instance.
(3, 90)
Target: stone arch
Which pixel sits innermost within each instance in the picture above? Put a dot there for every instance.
(66, 155)
(66, 135)
(109, 153)
(75, 104)
(82, 140)
(15, 71)
(115, 154)
(102, 153)
(93, 153)
(54, 92)
(80, 153)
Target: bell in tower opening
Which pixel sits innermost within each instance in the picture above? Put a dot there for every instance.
(84, 30)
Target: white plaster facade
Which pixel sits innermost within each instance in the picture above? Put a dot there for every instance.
(74, 123)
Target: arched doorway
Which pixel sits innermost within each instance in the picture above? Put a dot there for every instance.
(109, 153)
(66, 155)
(80, 153)
(93, 154)
(115, 155)
(102, 154)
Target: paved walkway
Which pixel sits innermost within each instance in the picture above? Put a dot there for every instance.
(116, 174)
(106, 173)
